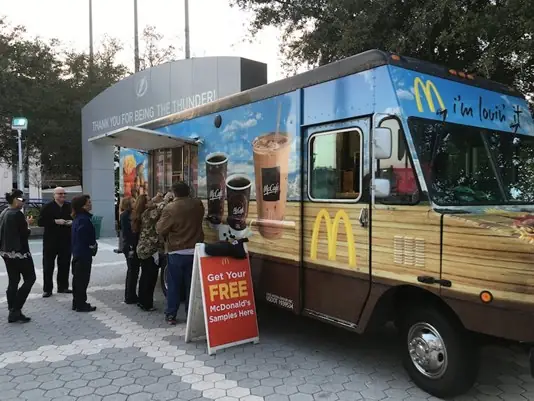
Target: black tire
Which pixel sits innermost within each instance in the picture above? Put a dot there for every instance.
(162, 279)
(456, 366)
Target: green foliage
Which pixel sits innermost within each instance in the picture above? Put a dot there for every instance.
(49, 87)
(492, 38)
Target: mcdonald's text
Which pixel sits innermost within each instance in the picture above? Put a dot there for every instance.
(231, 290)
(228, 299)
(429, 92)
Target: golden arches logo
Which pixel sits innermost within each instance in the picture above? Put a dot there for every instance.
(428, 89)
(332, 230)
(225, 261)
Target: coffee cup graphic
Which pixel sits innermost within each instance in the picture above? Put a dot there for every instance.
(238, 188)
(271, 160)
(216, 168)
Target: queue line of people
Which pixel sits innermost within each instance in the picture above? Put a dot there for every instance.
(15, 251)
(169, 225)
(151, 230)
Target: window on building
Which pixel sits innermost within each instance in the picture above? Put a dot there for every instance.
(335, 161)
(398, 169)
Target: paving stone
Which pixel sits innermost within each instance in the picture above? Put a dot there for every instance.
(165, 395)
(262, 391)
(301, 397)
(189, 394)
(277, 397)
(131, 389)
(213, 393)
(120, 347)
(348, 395)
(82, 391)
(141, 397)
(107, 390)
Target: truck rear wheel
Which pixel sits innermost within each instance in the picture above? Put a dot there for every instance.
(438, 353)
(163, 279)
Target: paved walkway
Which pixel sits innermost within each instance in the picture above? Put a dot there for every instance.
(120, 353)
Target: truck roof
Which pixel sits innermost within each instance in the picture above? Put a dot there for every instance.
(348, 66)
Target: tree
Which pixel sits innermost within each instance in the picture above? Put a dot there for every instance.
(492, 38)
(49, 86)
(154, 53)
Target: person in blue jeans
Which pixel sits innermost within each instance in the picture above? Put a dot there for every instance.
(180, 225)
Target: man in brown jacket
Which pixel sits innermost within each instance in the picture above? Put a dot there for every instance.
(180, 225)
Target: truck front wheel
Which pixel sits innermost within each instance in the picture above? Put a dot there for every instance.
(438, 353)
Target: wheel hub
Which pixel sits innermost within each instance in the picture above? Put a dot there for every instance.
(427, 350)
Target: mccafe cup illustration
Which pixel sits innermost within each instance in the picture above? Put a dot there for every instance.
(216, 168)
(271, 160)
(238, 193)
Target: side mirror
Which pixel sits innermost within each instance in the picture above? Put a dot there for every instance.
(382, 142)
(382, 188)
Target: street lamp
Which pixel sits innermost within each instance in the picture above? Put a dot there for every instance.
(19, 124)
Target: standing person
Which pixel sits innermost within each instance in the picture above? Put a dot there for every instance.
(148, 250)
(56, 219)
(181, 226)
(84, 248)
(129, 241)
(15, 250)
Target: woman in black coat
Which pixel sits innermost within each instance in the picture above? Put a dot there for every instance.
(129, 241)
(15, 250)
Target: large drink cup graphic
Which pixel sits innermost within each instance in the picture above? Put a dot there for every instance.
(216, 167)
(271, 160)
(238, 192)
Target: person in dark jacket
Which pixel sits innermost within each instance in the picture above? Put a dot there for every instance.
(15, 251)
(84, 248)
(129, 241)
(56, 219)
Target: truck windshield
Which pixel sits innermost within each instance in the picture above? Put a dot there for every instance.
(466, 165)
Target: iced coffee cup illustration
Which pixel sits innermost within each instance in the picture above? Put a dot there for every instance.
(271, 160)
(238, 193)
(216, 167)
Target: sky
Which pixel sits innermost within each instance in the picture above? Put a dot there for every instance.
(216, 29)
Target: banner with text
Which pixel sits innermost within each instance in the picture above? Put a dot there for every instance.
(222, 296)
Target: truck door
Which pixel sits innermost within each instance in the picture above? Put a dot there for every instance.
(335, 245)
(405, 231)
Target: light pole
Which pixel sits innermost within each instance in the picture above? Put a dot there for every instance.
(187, 50)
(19, 124)
(136, 39)
(91, 51)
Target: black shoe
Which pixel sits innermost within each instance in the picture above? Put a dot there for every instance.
(47, 294)
(24, 319)
(17, 316)
(147, 308)
(170, 319)
(131, 301)
(67, 291)
(86, 308)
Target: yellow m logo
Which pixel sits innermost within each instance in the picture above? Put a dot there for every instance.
(332, 230)
(428, 88)
(225, 261)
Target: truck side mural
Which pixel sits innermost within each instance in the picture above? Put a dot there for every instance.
(441, 244)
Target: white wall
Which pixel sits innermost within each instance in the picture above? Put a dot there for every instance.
(34, 177)
(6, 179)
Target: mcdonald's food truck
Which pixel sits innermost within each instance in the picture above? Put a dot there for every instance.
(374, 189)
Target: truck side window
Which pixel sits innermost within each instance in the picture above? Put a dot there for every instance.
(335, 165)
(398, 169)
